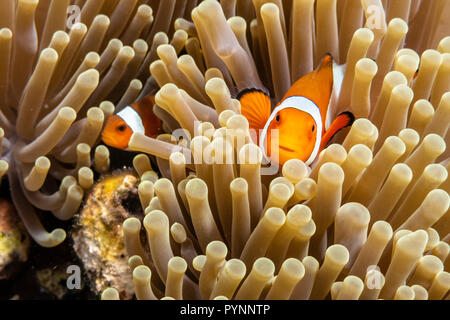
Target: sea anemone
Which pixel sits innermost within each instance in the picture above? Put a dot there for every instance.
(368, 220)
(64, 67)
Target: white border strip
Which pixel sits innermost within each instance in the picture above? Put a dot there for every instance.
(302, 104)
(132, 119)
(338, 78)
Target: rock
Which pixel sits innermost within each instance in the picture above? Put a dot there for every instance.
(14, 241)
(98, 236)
(54, 280)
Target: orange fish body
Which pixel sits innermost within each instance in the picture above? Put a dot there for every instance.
(296, 128)
(138, 117)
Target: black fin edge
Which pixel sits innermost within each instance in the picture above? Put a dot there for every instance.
(324, 56)
(327, 54)
(352, 120)
(350, 115)
(250, 90)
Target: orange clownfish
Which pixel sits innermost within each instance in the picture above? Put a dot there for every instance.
(301, 116)
(138, 117)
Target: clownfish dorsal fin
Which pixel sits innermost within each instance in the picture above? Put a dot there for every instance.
(317, 86)
(343, 120)
(144, 108)
(255, 106)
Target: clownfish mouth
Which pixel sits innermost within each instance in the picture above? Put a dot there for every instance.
(287, 149)
(107, 139)
(111, 141)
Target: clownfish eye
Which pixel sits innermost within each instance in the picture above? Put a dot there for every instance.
(313, 128)
(121, 128)
(278, 118)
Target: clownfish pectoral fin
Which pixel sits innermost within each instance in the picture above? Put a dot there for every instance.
(255, 106)
(343, 120)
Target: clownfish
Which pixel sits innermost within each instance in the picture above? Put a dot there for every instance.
(137, 118)
(300, 117)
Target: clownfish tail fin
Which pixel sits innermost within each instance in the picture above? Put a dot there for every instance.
(255, 106)
(343, 120)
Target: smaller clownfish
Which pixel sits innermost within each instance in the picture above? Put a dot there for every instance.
(301, 116)
(138, 117)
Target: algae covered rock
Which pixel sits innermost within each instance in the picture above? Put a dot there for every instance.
(98, 236)
(54, 280)
(14, 241)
